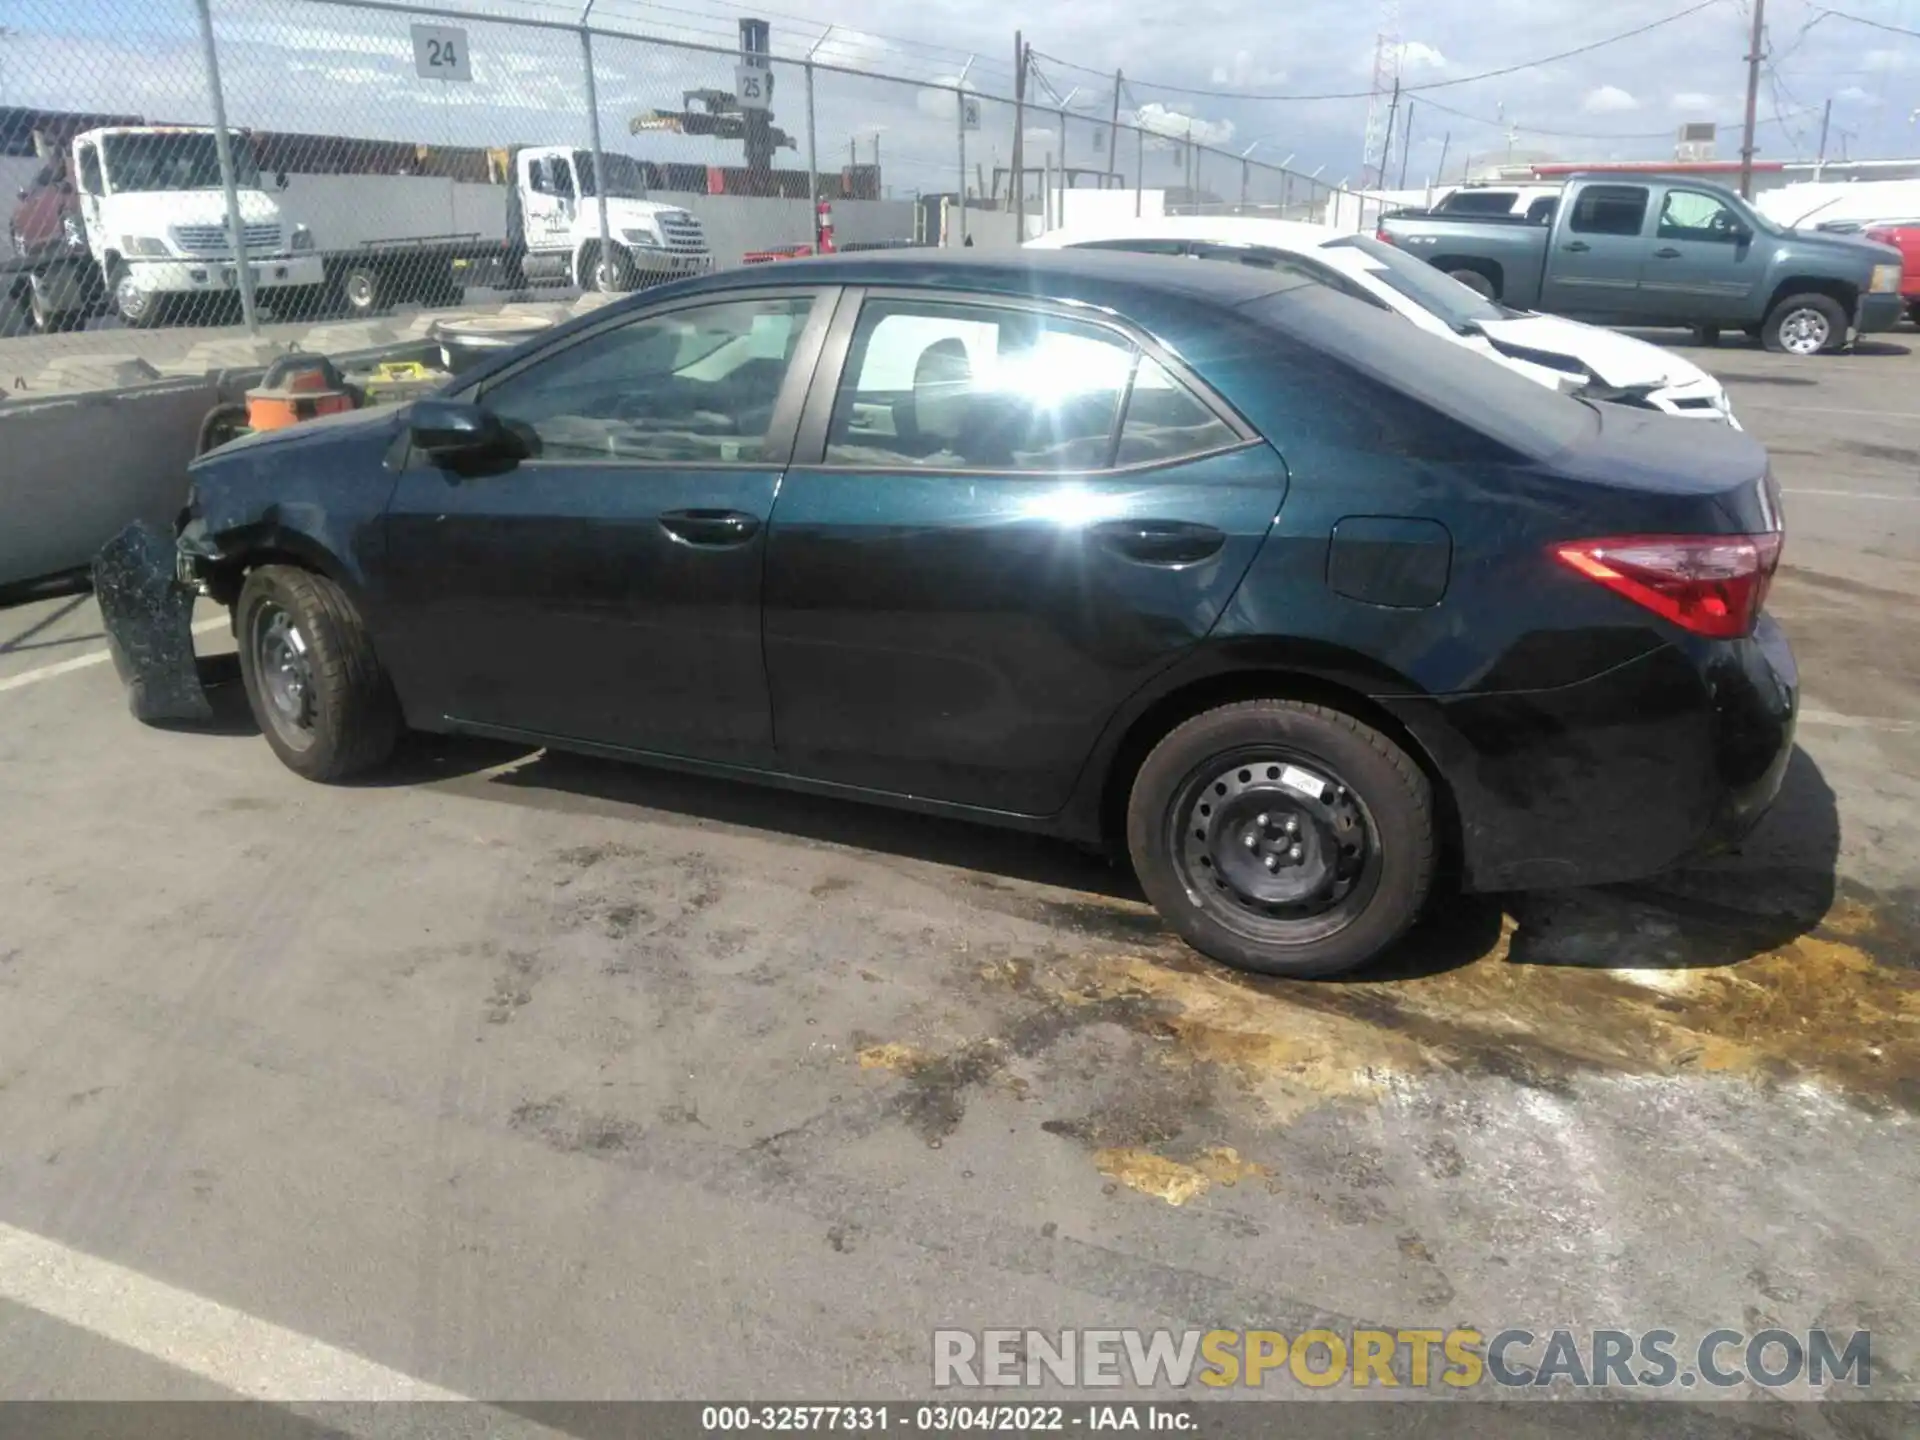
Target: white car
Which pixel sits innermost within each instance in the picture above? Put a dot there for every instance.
(1584, 360)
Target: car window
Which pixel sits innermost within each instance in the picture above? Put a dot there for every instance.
(1694, 215)
(1437, 293)
(90, 181)
(1480, 202)
(1540, 212)
(693, 386)
(1135, 247)
(1167, 421)
(1609, 210)
(938, 385)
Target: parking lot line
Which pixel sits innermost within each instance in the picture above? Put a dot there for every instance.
(239, 1352)
(81, 662)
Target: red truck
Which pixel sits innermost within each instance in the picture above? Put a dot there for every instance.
(1904, 236)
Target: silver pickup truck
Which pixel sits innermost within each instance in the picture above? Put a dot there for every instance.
(1665, 251)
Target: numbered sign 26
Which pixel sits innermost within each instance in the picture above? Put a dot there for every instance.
(440, 53)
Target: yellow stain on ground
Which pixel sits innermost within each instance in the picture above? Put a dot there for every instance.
(1172, 1180)
(901, 1059)
(1816, 1007)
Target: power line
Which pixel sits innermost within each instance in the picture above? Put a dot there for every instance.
(1861, 20)
(1407, 89)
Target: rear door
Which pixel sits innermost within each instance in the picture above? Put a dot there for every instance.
(1704, 263)
(1595, 253)
(1002, 518)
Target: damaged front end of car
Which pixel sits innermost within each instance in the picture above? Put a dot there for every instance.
(147, 580)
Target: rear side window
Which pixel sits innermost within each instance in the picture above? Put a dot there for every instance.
(1609, 210)
(1167, 421)
(939, 385)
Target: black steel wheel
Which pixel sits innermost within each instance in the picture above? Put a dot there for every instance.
(1283, 837)
(313, 681)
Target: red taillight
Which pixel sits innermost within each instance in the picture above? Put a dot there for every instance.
(1713, 585)
(1380, 234)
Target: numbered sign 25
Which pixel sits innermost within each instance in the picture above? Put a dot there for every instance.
(440, 53)
(753, 87)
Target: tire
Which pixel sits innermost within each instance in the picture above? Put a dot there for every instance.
(1222, 777)
(1809, 324)
(137, 308)
(615, 278)
(363, 290)
(1476, 282)
(1706, 335)
(327, 710)
(46, 319)
(1913, 311)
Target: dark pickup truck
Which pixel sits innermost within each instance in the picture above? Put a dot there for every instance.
(1665, 251)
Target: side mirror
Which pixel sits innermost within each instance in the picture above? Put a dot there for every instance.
(454, 429)
(1742, 232)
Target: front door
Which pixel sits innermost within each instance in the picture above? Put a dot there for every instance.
(1008, 519)
(1704, 262)
(547, 199)
(607, 588)
(1594, 255)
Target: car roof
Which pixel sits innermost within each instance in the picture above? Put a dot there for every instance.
(1091, 276)
(1220, 229)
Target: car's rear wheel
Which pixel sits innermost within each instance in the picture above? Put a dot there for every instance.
(312, 679)
(1283, 837)
(1805, 325)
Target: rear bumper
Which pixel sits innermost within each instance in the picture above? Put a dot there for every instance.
(1879, 312)
(1666, 757)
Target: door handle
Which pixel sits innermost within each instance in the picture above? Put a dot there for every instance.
(1578, 247)
(1159, 542)
(1666, 252)
(710, 529)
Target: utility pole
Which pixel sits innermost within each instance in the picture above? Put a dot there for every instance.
(1446, 144)
(1113, 130)
(1753, 97)
(1386, 148)
(1406, 146)
(1019, 148)
(1826, 119)
(876, 157)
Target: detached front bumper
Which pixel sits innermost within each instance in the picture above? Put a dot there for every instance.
(145, 587)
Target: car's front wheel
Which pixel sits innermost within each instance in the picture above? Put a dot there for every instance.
(1805, 325)
(313, 681)
(1283, 837)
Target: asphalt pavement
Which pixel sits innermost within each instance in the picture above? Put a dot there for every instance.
(517, 1076)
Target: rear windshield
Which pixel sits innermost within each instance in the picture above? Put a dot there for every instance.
(1480, 202)
(1481, 394)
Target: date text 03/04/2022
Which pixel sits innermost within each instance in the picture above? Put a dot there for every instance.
(946, 1418)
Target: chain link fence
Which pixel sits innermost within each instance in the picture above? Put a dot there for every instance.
(265, 164)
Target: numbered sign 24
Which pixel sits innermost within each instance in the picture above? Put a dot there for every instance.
(440, 53)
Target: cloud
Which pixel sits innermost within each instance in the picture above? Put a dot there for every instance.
(1158, 119)
(1854, 95)
(1693, 101)
(1883, 62)
(1608, 100)
(1418, 55)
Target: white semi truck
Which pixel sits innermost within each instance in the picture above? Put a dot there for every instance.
(387, 238)
(134, 218)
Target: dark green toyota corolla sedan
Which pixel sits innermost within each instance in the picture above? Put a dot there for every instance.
(1303, 610)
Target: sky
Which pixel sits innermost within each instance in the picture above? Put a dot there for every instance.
(307, 65)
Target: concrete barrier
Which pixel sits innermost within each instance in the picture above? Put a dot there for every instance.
(78, 468)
